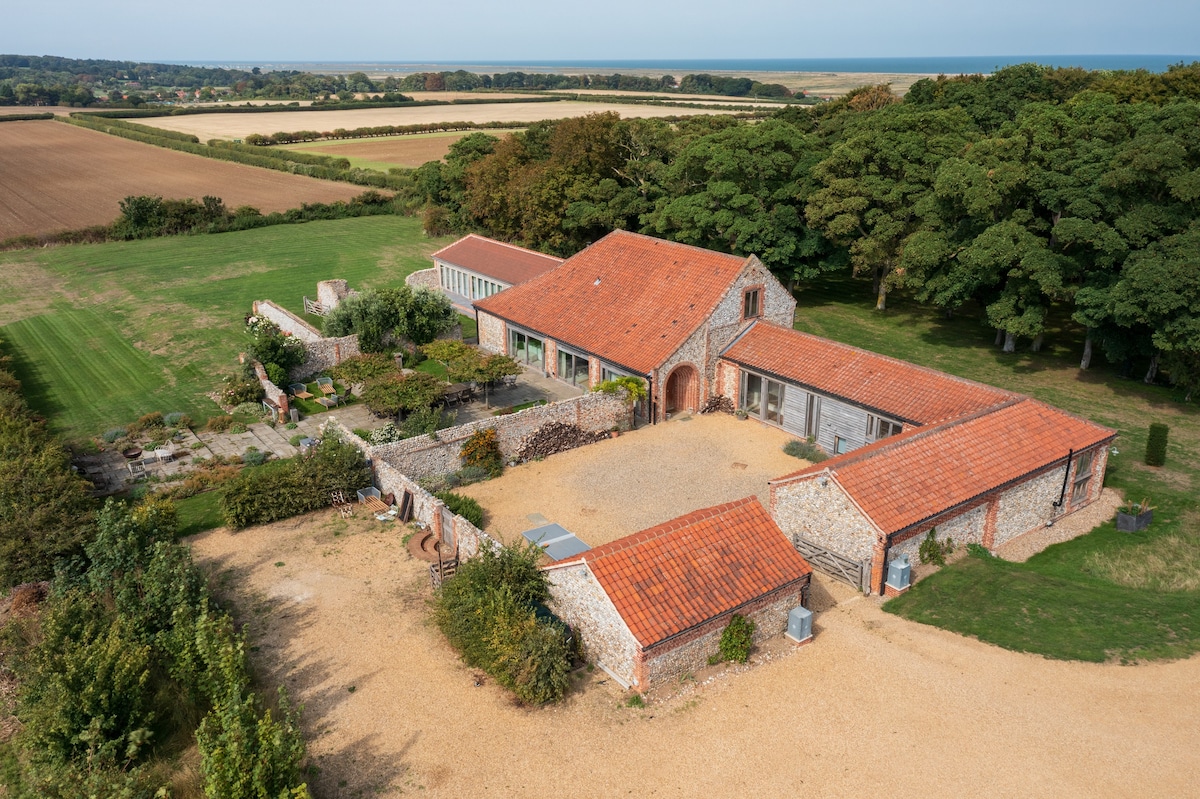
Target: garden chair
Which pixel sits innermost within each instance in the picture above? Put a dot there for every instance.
(326, 385)
(300, 391)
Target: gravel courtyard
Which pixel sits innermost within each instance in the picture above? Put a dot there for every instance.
(337, 612)
(607, 490)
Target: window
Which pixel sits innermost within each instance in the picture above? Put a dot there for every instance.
(752, 394)
(524, 348)
(812, 416)
(572, 368)
(762, 398)
(752, 304)
(878, 428)
(1083, 477)
(839, 445)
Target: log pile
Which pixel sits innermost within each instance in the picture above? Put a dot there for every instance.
(556, 437)
(718, 404)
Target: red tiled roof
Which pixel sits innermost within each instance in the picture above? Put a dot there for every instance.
(893, 387)
(918, 474)
(506, 262)
(629, 299)
(677, 575)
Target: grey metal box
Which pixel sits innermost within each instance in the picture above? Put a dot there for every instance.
(799, 624)
(899, 573)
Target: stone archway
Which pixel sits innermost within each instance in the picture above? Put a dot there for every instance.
(683, 389)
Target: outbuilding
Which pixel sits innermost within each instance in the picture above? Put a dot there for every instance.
(652, 606)
(475, 267)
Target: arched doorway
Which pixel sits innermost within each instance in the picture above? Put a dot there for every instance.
(683, 389)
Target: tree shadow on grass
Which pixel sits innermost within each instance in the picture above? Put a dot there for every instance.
(37, 392)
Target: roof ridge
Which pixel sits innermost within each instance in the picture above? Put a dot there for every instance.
(905, 438)
(873, 354)
(490, 240)
(668, 242)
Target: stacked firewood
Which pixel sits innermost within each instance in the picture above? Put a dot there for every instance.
(718, 404)
(556, 437)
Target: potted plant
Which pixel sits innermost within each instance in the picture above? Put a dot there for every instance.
(1134, 516)
(741, 414)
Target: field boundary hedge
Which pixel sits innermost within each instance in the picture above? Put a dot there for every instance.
(24, 117)
(143, 113)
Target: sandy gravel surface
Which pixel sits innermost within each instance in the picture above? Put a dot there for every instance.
(877, 705)
(645, 477)
(227, 126)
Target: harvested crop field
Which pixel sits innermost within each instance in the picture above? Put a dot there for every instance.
(337, 611)
(409, 151)
(62, 177)
(239, 126)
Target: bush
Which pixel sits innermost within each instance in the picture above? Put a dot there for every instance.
(483, 450)
(388, 395)
(1156, 444)
(737, 639)
(465, 507)
(933, 551)
(424, 421)
(113, 433)
(488, 612)
(285, 488)
(177, 419)
(219, 424)
(385, 434)
(238, 389)
(805, 451)
(362, 368)
(253, 456)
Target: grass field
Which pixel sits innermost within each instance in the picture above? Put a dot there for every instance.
(1069, 601)
(385, 152)
(101, 334)
(62, 177)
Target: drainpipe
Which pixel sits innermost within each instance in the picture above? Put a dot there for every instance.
(1062, 495)
(653, 409)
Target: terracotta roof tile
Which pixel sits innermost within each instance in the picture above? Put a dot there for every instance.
(918, 474)
(629, 299)
(681, 573)
(892, 387)
(507, 262)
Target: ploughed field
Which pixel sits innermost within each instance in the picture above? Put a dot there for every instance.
(239, 126)
(62, 177)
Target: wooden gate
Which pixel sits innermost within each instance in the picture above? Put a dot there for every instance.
(855, 572)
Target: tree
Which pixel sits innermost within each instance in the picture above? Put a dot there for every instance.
(390, 395)
(427, 315)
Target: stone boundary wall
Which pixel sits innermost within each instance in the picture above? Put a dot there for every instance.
(427, 509)
(424, 278)
(323, 354)
(580, 601)
(332, 292)
(274, 394)
(424, 457)
(689, 652)
(286, 321)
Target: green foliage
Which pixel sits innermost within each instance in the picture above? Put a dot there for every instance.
(362, 368)
(805, 451)
(270, 347)
(45, 508)
(634, 387)
(1156, 444)
(428, 315)
(933, 551)
(253, 456)
(390, 394)
(238, 389)
(637, 701)
(285, 488)
(737, 639)
(482, 449)
(379, 315)
(487, 611)
(465, 507)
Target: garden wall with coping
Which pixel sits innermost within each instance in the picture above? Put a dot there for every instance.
(428, 510)
(424, 457)
(332, 292)
(287, 322)
(274, 394)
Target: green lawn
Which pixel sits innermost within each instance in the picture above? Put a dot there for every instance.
(200, 512)
(101, 334)
(1069, 601)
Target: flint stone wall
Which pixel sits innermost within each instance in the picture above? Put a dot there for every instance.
(424, 457)
(578, 599)
(824, 515)
(287, 322)
(492, 336)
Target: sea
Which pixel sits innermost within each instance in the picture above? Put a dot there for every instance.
(936, 65)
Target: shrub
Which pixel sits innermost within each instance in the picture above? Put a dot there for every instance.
(388, 395)
(270, 347)
(253, 456)
(488, 613)
(737, 639)
(113, 433)
(934, 551)
(295, 440)
(283, 488)
(385, 434)
(424, 421)
(237, 389)
(219, 424)
(483, 450)
(805, 451)
(174, 419)
(465, 507)
(1156, 444)
(237, 427)
(362, 368)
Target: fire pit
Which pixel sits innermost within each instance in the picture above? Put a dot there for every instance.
(132, 452)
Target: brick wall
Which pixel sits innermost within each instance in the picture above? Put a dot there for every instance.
(689, 652)
(423, 457)
(578, 599)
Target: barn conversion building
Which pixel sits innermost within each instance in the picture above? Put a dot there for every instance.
(475, 267)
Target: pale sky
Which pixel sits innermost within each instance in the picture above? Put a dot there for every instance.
(514, 30)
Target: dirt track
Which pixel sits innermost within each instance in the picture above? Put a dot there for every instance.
(61, 177)
(877, 705)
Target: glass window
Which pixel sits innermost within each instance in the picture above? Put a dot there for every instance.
(839, 445)
(774, 402)
(572, 368)
(878, 428)
(751, 305)
(752, 394)
(524, 348)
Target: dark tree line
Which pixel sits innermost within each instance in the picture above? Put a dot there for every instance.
(1031, 190)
